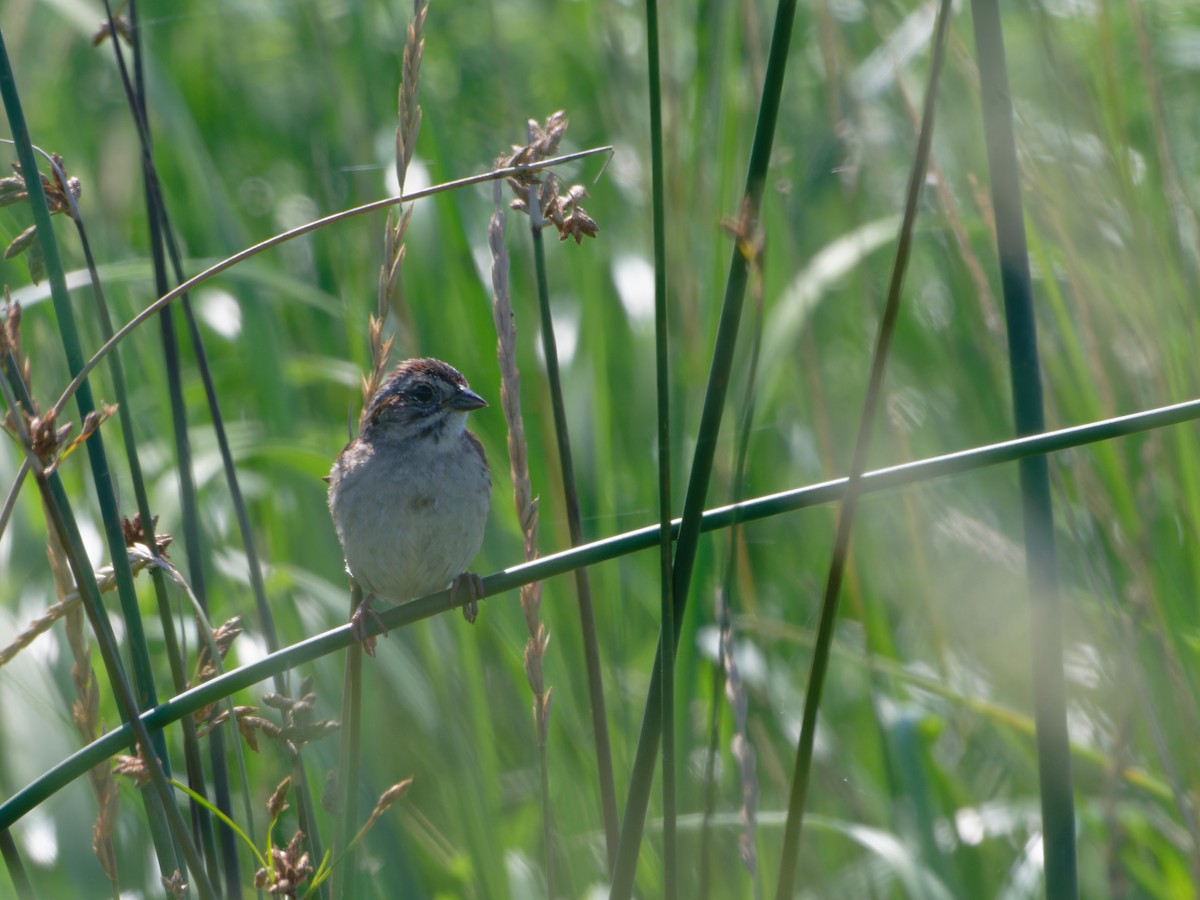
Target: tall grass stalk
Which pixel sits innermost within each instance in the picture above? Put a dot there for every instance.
(662, 384)
(142, 694)
(545, 204)
(163, 244)
(725, 672)
(145, 519)
(345, 876)
(1046, 633)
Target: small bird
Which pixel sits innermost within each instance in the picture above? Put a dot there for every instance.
(409, 496)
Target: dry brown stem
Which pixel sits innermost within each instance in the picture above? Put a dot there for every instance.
(518, 457)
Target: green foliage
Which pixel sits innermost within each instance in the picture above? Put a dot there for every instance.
(925, 770)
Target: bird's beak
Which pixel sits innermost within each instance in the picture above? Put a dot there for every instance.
(466, 399)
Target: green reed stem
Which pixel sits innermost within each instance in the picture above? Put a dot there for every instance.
(142, 693)
(191, 747)
(583, 589)
(904, 475)
(723, 612)
(189, 503)
(16, 866)
(1049, 688)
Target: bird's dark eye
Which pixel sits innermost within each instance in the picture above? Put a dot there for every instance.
(422, 394)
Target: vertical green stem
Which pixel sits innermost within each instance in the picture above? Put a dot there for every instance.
(662, 393)
(583, 589)
(201, 820)
(1053, 746)
(162, 239)
(16, 867)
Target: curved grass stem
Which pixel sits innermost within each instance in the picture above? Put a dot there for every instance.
(339, 638)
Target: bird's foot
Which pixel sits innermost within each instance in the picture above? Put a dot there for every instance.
(474, 587)
(359, 624)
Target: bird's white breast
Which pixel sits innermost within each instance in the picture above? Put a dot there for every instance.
(410, 519)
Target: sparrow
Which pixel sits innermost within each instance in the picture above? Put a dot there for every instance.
(409, 495)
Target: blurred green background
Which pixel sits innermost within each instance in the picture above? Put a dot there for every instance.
(268, 114)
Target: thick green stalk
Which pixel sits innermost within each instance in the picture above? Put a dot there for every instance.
(336, 639)
(16, 867)
(189, 504)
(1053, 742)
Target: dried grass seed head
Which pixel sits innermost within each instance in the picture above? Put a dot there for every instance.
(541, 193)
(277, 802)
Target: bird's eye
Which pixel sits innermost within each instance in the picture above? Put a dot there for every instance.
(422, 394)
